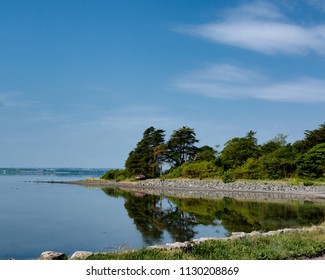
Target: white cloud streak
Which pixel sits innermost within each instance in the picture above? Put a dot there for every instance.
(232, 82)
(263, 28)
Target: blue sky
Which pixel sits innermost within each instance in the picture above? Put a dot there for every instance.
(81, 80)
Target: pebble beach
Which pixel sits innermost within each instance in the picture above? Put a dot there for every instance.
(217, 189)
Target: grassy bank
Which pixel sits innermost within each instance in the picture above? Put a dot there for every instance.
(289, 245)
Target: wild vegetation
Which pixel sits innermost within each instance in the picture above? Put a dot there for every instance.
(241, 157)
(289, 245)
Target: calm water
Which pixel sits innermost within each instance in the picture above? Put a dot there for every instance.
(38, 217)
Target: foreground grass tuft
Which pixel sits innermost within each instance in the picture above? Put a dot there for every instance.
(292, 245)
(143, 254)
(289, 245)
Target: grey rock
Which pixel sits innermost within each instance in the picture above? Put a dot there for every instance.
(81, 255)
(50, 255)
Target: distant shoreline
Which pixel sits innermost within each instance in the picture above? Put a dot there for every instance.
(211, 189)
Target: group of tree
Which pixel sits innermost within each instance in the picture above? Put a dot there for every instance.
(241, 157)
(152, 151)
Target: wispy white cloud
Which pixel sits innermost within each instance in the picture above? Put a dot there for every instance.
(232, 82)
(261, 27)
(258, 9)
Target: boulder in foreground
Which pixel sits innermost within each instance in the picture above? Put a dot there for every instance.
(50, 255)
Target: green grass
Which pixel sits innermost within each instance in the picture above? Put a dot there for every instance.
(289, 245)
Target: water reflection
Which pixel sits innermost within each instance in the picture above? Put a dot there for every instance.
(154, 216)
(246, 216)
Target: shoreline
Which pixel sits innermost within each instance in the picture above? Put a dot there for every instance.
(213, 189)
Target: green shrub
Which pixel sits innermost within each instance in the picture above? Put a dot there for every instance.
(174, 172)
(115, 175)
(279, 164)
(228, 176)
(203, 169)
(308, 183)
(312, 163)
(295, 182)
(251, 169)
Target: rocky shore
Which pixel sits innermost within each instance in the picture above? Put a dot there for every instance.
(217, 189)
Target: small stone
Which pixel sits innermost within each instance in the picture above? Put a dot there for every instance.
(254, 233)
(240, 233)
(81, 255)
(50, 255)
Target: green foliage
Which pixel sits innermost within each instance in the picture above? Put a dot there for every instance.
(115, 175)
(295, 182)
(312, 138)
(205, 153)
(203, 169)
(279, 164)
(228, 176)
(174, 172)
(142, 254)
(290, 245)
(274, 144)
(275, 159)
(312, 163)
(251, 169)
(181, 148)
(145, 159)
(238, 150)
(308, 183)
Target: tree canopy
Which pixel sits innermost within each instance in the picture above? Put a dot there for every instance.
(180, 148)
(144, 159)
(241, 157)
(312, 138)
(238, 150)
(312, 163)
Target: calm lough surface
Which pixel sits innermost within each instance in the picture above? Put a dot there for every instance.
(37, 217)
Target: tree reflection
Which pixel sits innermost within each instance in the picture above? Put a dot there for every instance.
(154, 216)
(246, 216)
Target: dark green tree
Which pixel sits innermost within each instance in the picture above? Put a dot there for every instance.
(251, 169)
(181, 148)
(205, 153)
(274, 144)
(238, 150)
(144, 159)
(312, 138)
(279, 164)
(312, 163)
